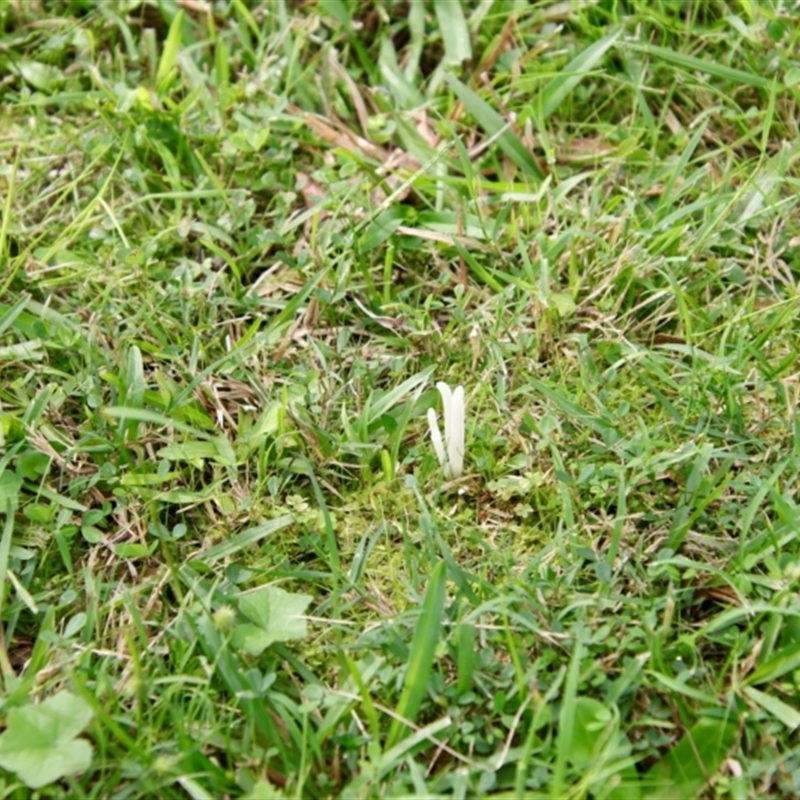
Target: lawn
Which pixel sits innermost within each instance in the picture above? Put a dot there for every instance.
(241, 246)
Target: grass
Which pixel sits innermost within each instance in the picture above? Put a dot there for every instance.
(240, 244)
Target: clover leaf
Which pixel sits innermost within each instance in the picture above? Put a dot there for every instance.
(40, 742)
(277, 616)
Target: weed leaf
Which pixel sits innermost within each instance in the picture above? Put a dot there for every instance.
(40, 743)
(277, 616)
(692, 762)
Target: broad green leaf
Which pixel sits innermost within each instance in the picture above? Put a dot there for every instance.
(10, 484)
(593, 724)
(493, 123)
(455, 34)
(40, 742)
(250, 638)
(134, 550)
(91, 534)
(340, 12)
(32, 464)
(263, 789)
(277, 616)
(562, 302)
(423, 651)
(38, 512)
(553, 95)
(696, 758)
(788, 715)
(792, 76)
(596, 741)
(40, 76)
(625, 785)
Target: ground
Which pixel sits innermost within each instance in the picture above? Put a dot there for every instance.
(241, 243)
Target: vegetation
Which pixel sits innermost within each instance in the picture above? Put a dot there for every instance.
(240, 244)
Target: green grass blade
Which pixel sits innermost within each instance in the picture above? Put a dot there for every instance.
(8, 205)
(153, 417)
(8, 315)
(566, 721)
(782, 711)
(454, 30)
(714, 68)
(386, 402)
(169, 55)
(787, 659)
(555, 92)
(423, 651)
(240, 541)
(5, 547)
(332, 545)
(495, 125)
